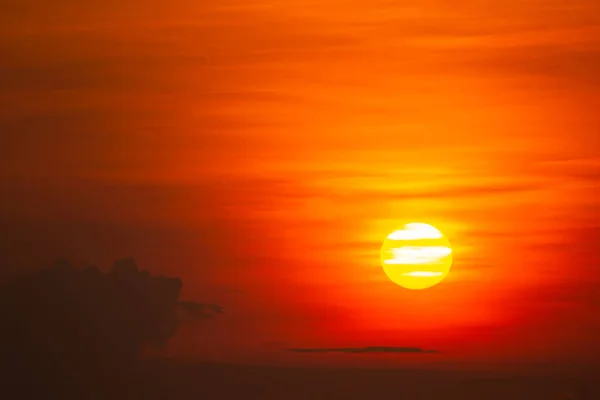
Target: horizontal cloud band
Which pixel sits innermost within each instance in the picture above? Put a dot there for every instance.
(371, 349)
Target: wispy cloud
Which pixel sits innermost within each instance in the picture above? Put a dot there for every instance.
(200, 310)
(370, 349)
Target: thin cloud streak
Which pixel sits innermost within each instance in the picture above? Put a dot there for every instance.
(362, 350)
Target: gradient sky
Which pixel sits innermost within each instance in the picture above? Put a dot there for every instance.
(262, 150)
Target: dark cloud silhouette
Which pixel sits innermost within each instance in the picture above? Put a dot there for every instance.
(371, 349)
(65, 328)
(200, 310)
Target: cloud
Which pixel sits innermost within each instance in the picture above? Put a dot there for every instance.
(77, 325)
(200, 310)
(573, 63)
(455, 192)
(370, 349)
(573, 169)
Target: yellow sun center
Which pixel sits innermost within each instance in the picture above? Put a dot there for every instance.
(417, 256)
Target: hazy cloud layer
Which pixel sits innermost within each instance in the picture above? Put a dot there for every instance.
(372, 349)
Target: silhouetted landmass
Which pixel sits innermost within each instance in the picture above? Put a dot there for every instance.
(68, 331)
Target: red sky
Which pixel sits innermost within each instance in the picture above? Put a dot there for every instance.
(262, 150)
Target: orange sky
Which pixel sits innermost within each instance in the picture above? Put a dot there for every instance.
(262, 150)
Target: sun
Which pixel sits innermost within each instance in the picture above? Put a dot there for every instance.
(418, 256)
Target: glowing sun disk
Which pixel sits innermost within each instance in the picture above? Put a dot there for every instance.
(417, 256)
